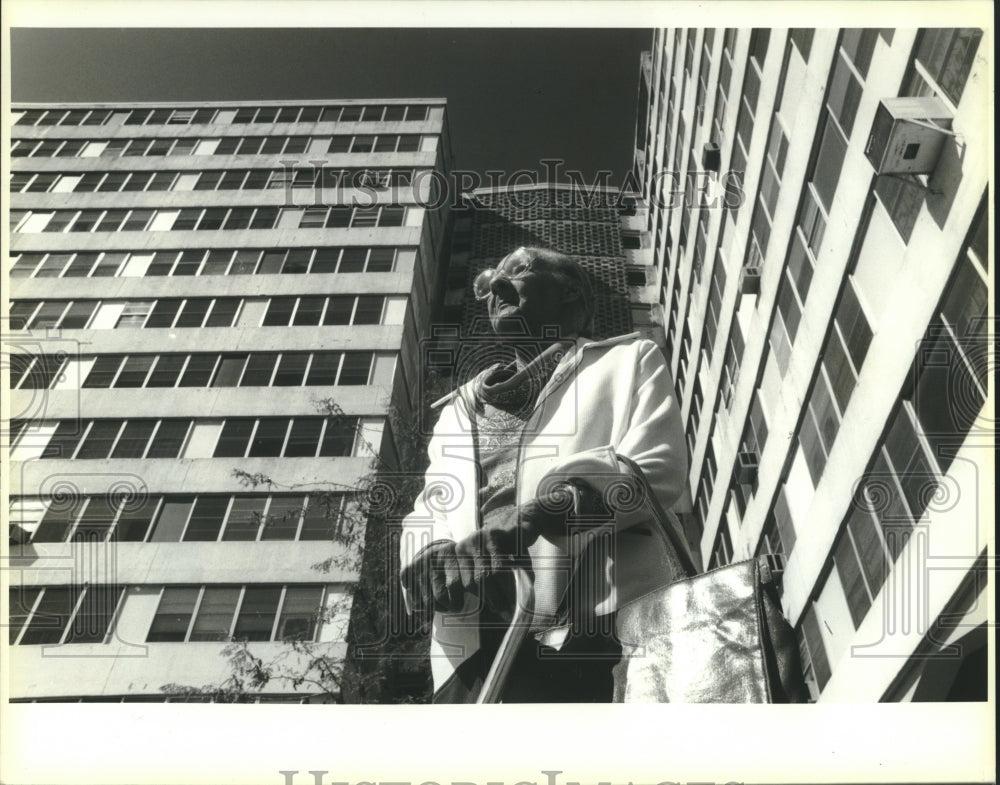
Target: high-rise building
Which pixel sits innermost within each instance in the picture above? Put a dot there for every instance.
(212, 309)
(817, 207)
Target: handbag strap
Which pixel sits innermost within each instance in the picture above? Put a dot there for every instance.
(679, 546)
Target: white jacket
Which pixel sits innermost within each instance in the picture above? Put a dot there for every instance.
(604, 399)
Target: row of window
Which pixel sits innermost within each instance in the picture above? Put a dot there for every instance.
(842, 357)
(62, 614)
(176, 312)
(929, 425)
(98, 314)
(226, 613)
(226, 145)
(180, 518)
(256, 369)
(73, 614)
(213, 180)
(206, 115)
(215, 261)
(235, 437)
(206, 219)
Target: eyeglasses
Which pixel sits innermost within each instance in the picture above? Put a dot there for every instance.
(509, 268)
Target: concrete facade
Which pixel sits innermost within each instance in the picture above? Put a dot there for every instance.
(387, 260)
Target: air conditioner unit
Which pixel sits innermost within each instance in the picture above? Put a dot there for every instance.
(711, 157)
(746, 468)
(907, 135)
(750, 280)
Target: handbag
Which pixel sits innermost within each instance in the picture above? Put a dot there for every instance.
(717, 637)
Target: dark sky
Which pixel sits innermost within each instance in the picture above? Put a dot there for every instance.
(514, 96)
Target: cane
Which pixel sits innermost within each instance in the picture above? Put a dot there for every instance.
(512, 639)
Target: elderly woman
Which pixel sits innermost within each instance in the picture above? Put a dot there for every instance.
(539, 458)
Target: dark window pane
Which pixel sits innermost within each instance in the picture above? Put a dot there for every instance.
(60, 515)
(339, 310)
(381, 260)
(173, 616)
(357, 367)
(224, 312)
(230, 369)
(134, 438)
(297, 261)
(817, 651)
(78, 315)
(322, 517)
(103, 372)
(193, 313)
(304, 437)
(291, 369)
(279, 312)
(283, 516)
(325, 261)
(339, 218)
(369, 309)
(259, 369)
(164, 313)
(323, 369)
(269, 437)
(299, 613)
(272, 262)
(264, 218)
(353, 260)
(309, 311)
(20, 600)
(168, 368)
(217, 262)
(234, 438)
(206, 519)
(135, 370)
(99, 439)
(338, 440)
(831, 158)
(135, 518)
(169, 439)
(239, 218)
(199, 370)
(172, 519)
(189, 263)
(96, 520)
(257, 612)
(51, 616)
(245, 263)
(849, 570)
(245, 517)
(215, 613)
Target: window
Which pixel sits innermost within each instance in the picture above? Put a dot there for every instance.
(335, 310)
(62, 614)
(353, 259)
(205, 518)
(945, 57)
(251, 613)
(841, 359)
(815, 665)
(802, 37)
(722, 551)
